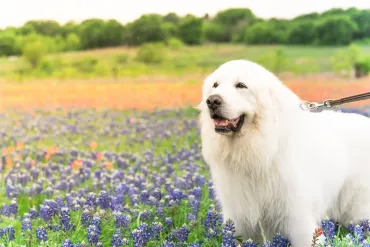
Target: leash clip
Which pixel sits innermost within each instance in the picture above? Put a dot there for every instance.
(306, 105)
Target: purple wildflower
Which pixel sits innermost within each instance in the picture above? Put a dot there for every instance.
(26, 225)
(228, 232)
(13, 208)
(122, 220)
(86, 218)
(249, 243)
(93, 234)
(41, 234)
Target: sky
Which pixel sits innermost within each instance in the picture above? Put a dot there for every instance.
(17, 12)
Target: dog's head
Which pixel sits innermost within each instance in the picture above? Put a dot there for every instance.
(237, 95)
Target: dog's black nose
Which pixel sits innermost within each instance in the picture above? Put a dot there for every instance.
(214, 101)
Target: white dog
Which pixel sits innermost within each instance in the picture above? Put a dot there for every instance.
(276, 166)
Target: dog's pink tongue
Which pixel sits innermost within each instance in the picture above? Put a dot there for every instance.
(221, 122)
(235, 121)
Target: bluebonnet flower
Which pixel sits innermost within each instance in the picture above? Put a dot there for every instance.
(96, 221)
(168, 244)
(358, 233)
(117, 239)
(26, 225)
(156, 229)
(146, 215)
(228, 231)
(5, 210)
(180, 234)
(160, 212)
(122, 220)
(33, 213)
(328, 228)
(141, 235)
(41, 234)
(45, 213)
(65, 219)
(144, 196)
(13, 208)
(86, 218)
(280, 241)
(91, 200)
(67, 243)
(365, 224)
(267, 244)
(157, 194)
(168, 222)
(212, 223)
(104, 200)
(93, 234)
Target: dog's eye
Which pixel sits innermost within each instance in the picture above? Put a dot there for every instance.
(241, 85)
(215, 85)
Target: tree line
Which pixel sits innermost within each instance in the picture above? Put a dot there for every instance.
(236, 25)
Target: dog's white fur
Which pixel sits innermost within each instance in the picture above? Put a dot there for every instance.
(287, 169)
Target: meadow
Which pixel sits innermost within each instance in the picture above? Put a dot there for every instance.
(112, 157)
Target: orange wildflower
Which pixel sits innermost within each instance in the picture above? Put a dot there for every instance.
(9, 162)
(99, 156)
(20, 145)
(108, 165)
(93, 145)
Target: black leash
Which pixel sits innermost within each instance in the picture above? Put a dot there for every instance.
(330, 103)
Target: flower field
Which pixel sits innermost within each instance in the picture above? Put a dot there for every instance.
(131, 174)
(150, 93)
(112, 178)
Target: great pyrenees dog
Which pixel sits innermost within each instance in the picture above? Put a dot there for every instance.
(277, 168)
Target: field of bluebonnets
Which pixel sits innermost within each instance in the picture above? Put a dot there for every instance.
(84, 176)
(116, 178)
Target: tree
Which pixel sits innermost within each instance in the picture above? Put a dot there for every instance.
(335, 30)
(191, 30)
(302, 32)
(265, 33)
(92, 33)
(34, 52)
(8, 44)
(232, 22)
(113, 33)
(72, 42)
(362, 19)
(47, 28)
(148, 28)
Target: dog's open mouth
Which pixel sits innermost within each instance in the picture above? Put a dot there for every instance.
(223, 125)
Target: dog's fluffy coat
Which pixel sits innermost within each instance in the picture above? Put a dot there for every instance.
(287, 169)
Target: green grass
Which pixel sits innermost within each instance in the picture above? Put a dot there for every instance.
(108, 63)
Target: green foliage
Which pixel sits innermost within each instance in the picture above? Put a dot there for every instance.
(362, 19)
(215, 32)
(122, 58)
(191, 30)
(302, 32)
(72, 42)
(46, 28)
(234, 25)
(276, 61)
(335, 30)
(228, 23)
(9, 44)
(265, 33)
(148, 28)
(174, 43)
(34, 52)
(345, 61)
(151, 53)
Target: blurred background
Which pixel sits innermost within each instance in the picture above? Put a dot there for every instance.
(74, 54)
(98, 135)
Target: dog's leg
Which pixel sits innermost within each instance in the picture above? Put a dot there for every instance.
(300, 230)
